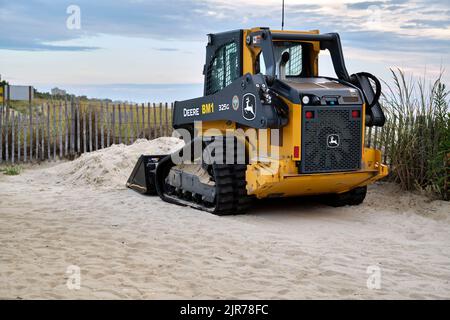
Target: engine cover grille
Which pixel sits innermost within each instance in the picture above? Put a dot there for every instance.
(331, 139)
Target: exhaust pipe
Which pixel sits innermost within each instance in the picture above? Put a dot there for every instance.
(282, 67)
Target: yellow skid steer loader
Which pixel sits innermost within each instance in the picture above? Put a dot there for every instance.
(269, 125)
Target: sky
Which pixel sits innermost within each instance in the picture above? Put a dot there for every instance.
(154, 50)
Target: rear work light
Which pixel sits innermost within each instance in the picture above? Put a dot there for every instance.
(296, 152)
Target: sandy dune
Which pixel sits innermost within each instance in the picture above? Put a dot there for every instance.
(132, 246)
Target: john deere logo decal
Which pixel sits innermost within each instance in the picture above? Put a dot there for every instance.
(235, 103)
(333, 141)
(249, 106)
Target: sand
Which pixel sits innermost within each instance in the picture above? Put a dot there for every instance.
(130, 246)
(110, 167)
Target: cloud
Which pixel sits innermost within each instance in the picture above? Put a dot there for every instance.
(33, 27)
(380, 41)
(364, 5)
(29, 26)
(38, 23)
(423, 24)
(35, 46)
(166, 49)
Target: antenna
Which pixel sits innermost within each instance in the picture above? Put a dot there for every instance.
(282, 16)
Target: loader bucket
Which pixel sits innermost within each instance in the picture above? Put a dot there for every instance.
(142, 179)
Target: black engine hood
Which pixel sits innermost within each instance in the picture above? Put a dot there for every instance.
(295, 88)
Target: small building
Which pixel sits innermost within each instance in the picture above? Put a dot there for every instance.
(58, 92)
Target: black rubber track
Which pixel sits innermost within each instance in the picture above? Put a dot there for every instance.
(231, 194)
(352, 198)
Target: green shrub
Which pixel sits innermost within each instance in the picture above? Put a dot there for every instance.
(12, 170)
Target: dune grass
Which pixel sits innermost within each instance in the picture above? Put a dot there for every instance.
(418, 113)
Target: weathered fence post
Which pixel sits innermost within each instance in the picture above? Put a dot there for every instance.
(19, 134)
(7, 134)
(42, 134)
(108, 125)
(12, 137)
(155, 124)
(133, 130)
(161, 133)
(113, 119)
(25, 134)
(375, 141)
(96, 128)
(72, 128)
(391, 142)
(84, 131)
(167, 120)
(380, 139)
(385, 137)
(42, 128)
(54, 133)
(1, 134)
(43, 124)
(37, 133)
(48, 133)
(132, 124)
(143, 120)
(171, 119)
(90, 128)
(120, 123)
(66, 127)
(30, 110)
(102, 126)
(60, 131)
(149, 124)
(125, 119)
(77, 106)
(138, 130)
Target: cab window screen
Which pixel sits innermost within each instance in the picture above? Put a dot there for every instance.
(298, 65)
(224, 68)
(295, 63)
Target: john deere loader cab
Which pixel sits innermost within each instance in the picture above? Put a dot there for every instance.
(291, 131)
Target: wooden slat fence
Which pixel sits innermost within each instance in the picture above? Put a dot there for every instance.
(383, 138)
(67, 129)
